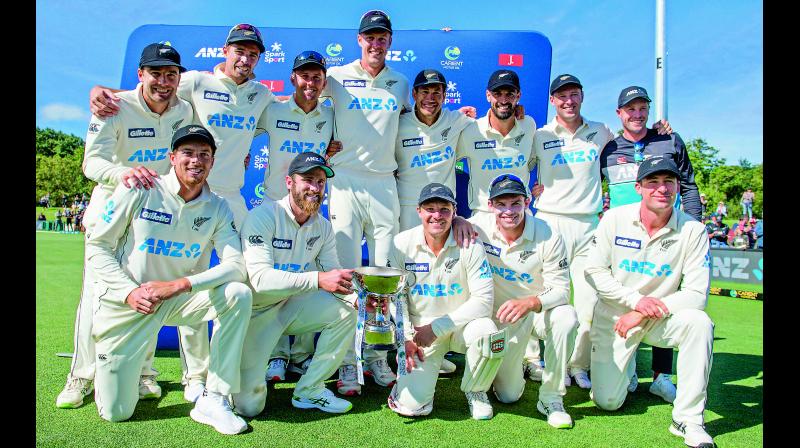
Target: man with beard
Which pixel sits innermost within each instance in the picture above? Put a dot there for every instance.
(290, 255)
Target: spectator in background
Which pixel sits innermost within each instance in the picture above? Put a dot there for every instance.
(740, 240)
(722, 211)
(78, 219)
(703, 205)
(41, 221)
(68, 218)
(717, 232)
(749, 232)
(758, 231)
(59, 222)
(747, 202)
(606, 201)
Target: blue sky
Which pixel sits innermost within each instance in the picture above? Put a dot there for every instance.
(715, 51)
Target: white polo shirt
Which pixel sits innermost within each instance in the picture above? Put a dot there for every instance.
(569, 167)
(625, 264)
(282, 257)
(427, 154)
(292, 131)
(231, 112)
(535, 264)
(490, 155)
(367, 112)
(145, 235)
(451, 289)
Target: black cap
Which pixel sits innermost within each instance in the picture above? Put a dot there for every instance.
(503, 78)
(562, 80)
(629, 94)
(244, 32)
(427, 77)
(655, 165)
(307, 161)
(374, 20)
(507, 184)
(309, 57)
(160, 55)
(436, 191)
(193, 132)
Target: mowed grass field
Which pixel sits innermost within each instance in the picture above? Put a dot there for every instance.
(734, 412)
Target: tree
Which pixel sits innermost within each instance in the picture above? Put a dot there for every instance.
(50, 142)
(58, 165)
(705, 159)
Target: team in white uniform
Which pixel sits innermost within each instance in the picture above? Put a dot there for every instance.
(650, 266)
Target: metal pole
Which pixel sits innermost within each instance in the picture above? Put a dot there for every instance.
(661, 62)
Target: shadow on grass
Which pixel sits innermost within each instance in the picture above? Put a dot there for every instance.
(150, 410)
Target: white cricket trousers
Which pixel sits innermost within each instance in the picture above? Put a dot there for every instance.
(122, 336)
(690, 331)
(296, 352)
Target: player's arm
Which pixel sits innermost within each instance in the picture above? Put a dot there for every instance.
(103, 101)
(696, 275)
(598, 269)
(263, 119)
(229, 250)
(555, 273)
(690, 196)
(98, 156)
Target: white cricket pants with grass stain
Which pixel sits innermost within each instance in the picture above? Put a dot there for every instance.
(122, 337)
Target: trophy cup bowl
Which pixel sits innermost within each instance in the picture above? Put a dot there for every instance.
(382, 284)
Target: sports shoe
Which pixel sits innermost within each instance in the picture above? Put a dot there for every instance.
(557, 417)
(380, 372)
(276, 370)
(300, 367)
(394, 405)
(532, 370)
(214, 409)
(693, 435)
(567, 380)
(581, 378)
(447, 367)
(193, 390)
(325, 401)
(663, 387)
(479, 405)
(634, 383)
(74, 392)
(348, 381)
(149, 388)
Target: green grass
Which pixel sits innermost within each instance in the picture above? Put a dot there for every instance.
(734, 412)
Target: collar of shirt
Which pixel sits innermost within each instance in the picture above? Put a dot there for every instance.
(561, 131)
(361, 72)
(672, 223)
(527, 232)
(174, 186)
(219, 74)
(419, 122)
(486, 128)
(140, 97)
(419, 240)
(296, 109)
(287, 207)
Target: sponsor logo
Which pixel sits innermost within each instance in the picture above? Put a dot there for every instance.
(311, 241)
(318, 127)
(448, 264)
(518, 139)
(141, 132)
(590, 136)
(418, 267)
(563, 264)
(210, 52)
(94, 128)
(436, 289)
(275, 53)
(199, 221)
(108, 213)
(233, 226)
(444, 134)
(232, 121)
(291, 125)
(102, 357)
(155, 216)
(412, 142)
(148, 155)
(666, 244)
(256, 240)
(216, 96)
(260, 191)
(390, 83)
(451, 61)
(279, 243)
(451, 94)
(169, 248)
(296, 147)
(486, 144)
(511, 275)
(554, 144)
(389, 104)
(509, 60)
(354, 83)
(432, 157)
(491, 250)
(291, 267)
(525, 255)
(251, 97)
(622, 160)
(575, 157)
(485, 271)
(645, 268)
(176, 125)
(400, 55)
(503, 163)
(274, 85)
(498, 345)
(333, 50)
(627, 242)
(452, 53)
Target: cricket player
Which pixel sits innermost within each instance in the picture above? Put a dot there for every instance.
(146, 251)
(290, 254)
(531, 295)
(649, 264)
(448, 309)
(126, 149)
(231, 105)
(619, 162)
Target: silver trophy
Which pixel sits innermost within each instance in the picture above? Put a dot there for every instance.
(384, 285)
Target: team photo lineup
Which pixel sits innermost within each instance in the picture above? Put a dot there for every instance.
(563, 296)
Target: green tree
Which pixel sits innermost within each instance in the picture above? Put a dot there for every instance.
(705, 159)
(50, 142)
(58, 165)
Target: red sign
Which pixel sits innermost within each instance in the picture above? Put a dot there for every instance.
(275, 85)
(511, 60)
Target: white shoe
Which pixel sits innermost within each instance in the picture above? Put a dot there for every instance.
(380, 372)
(479, 405)
(149, 388)
(567, 380)
(325, 401)
(394, 405)
(557, 417)
(663, 387)
(348, 381)
(214, 409)
(634, 383)
(447, 367)
(300, 367)
(276, 370)
(581, 378)
(193, 390)
(74, 392)
(532, 370)
(693, 435)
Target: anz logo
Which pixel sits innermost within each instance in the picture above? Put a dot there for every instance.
(367, 103)
(512, 275)
(290, 267)
(170, 248)
(148, 155)
(436, 290)
(503, 163)
(296, 147)
(232, 121)
(421, 160)
(645, 268)
(575, 157)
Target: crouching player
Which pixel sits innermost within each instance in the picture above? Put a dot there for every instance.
(290, 254)
(448, 309)
(650, 267)
(146, 251)
(531, 292)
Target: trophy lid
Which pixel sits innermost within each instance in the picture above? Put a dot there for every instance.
(380, 280)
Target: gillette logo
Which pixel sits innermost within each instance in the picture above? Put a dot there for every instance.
(486, 144)
(141, 132)
(216, 96)
(418, 267)
(291, 125)
(155, 216)
(278, 243)
(412, 142)
(628, 242)
(354, 83)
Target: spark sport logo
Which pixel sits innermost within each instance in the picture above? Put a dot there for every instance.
(645, 268)
(169, 248)
(436, 289)
(451, 61)
(232, 121)
(451, 94)
(575, 157)
(216, 96)
(367, 103)
(503, 163)
(275, 53)
(432, 157)
(148, 155)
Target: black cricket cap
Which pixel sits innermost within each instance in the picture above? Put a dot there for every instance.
(436, 191)
(244, 32)
(193, 132)
(307, 161)
(428, 77)
(503, 78)
(375, 20)
(563, 80)
(160, 55)
(310, 57)
(631, 93)
(655, 165)
(507, 184)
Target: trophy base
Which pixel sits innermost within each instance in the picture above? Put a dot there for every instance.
(383, 347)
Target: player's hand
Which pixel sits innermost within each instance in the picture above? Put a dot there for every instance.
(513, 310)
(166, 290)
(372, 304)
(411, 350)
(652, 307)
(662, 127)
(519, 112)
(333, 148)
(424, 335)
(338, 281)
(139, 177)
(463, 232)
(469, 111)
(626, 322)
(139, 302)
(537, 189)
(246, 160)
(103, 102)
